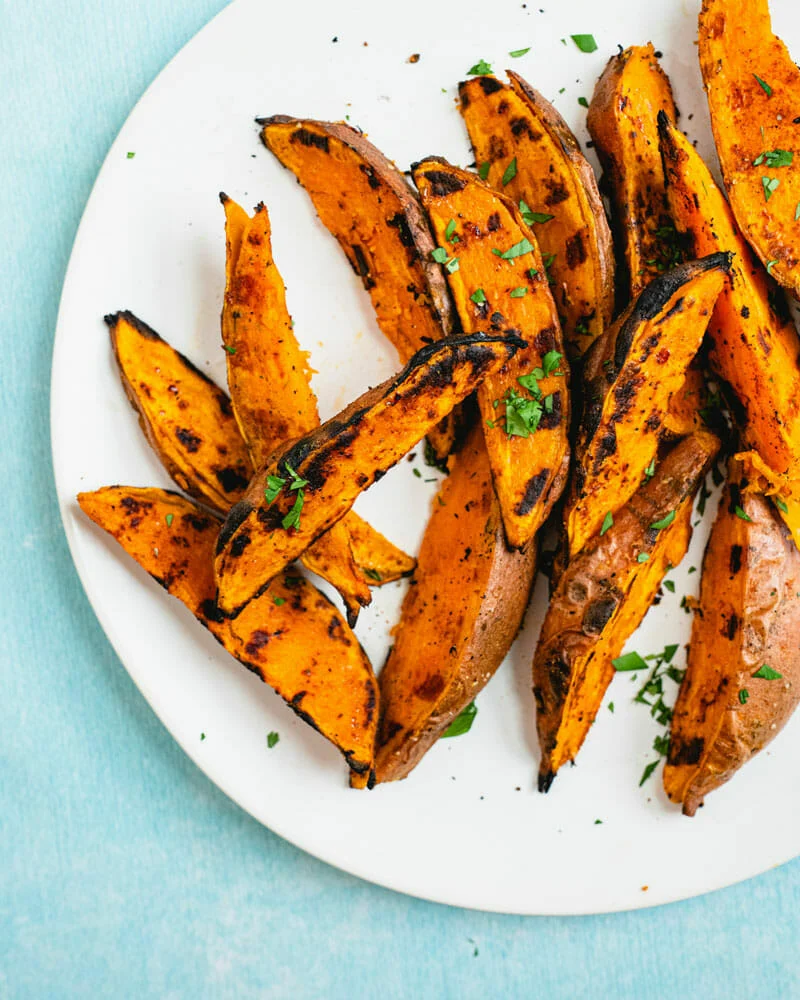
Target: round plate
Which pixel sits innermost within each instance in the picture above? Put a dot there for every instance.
(467, 827)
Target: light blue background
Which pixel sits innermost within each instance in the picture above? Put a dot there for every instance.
(123, 871)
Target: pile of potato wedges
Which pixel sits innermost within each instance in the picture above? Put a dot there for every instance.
(576, 366)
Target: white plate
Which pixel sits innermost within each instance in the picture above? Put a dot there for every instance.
(468, 827)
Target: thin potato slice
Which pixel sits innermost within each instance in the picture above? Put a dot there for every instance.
(459, 617)
(533, 158)
(279, 518)
(476, 225)
(742, 681)
(292, 637)
(603, 595)
(632, 373)
(753, 88)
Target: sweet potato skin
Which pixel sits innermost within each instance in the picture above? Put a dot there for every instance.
(292, 637)
(186, 418)
(368, 206)
(552, 177)
(459, 617)
(753, 347)
(529, 472)
(622, 122)
(630, 376)
(737, 47)
(748, 616)
(342, 457)
(601, 598)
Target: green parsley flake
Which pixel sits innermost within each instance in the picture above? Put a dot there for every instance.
(744, 694)
(478, 297)
(650, 471)
(451, 265)
(797, 212)
(462, 722)
(670, 586)
(611, 707)
(417, 473)
(202, 737)
(648, 771)
(440, 255)
(510, 172)
(272, 739)
(278, 601)
(770, 185)
(781, 505)
(292, 519)
(766, 673)
(483, 170)
(585, 43)
(131, 155)
(643, 557)
(764, 85)
(608, 522)
(481, 68)
(228, 348)
(531, 218)
(523, 415)
(519, 292)
(774, 158)
(274, 485)
(629, 662)
(665, 522)
(516, 53)
(169, 518)
(740, 513)
(450, 232)
(373, 574)
(770, 265)
(583, 102)
(517, 250)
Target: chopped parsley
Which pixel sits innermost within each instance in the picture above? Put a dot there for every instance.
(228, 348)
(478, 297)
(650, 471)
(770, 265)
(797, 212)
(781, 505)
(583, 102)
(523, 415)
(531, 218)
(651, 694)
(510, 172)
(764, 85)
(774, 158)
(665, 522)
(517, 250)
(740, 513)
(202, 737)
(292, 519)
(669, 585)
(744, 695)
(272, 739)
(547, 260)
(278, 601)
(648, 771)
(131, 155)
(275, 484)
(766, 673)
(169, 519)
(518, 292)
(481, 68)
(416, 472)
(462, 722)
(611, 707)
(770, 185)
(440, 255)
(483, 170)
(451, 265)
(450, 232)
(585, 43)
(629, 662)
(608, 522)
(373, 574)
(516, 53)
(643, 557)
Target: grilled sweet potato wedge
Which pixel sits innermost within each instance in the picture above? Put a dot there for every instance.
(366, 203)
(754, 346)
(500, 284)
(459, 617)
(631, 374)
(292, 636)
(168, 392)
(603, 595)
(742, 681)
(532, 156)
(309, 485)
(753, 88)
(622, 121)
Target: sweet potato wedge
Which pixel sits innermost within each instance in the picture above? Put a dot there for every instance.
(309, 485)
(754, 346)
(168, 392)
(622, 121)
(603, 595)
(185, 417)
(500, 284)
(631, 374)
(532, 156)
(753, 88)
(730, 705)
(292, 636)
(459, 617)
(365, 202)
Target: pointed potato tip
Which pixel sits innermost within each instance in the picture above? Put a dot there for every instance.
(546, 779)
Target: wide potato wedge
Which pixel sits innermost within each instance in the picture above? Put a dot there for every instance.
(366, 203)
(753, 88)
(526, 150)
(292, 636)
(309, 485)
(499, 284)
(730, 705)
(754, 346)
(631, 374)
(459, 617)
(603, 595)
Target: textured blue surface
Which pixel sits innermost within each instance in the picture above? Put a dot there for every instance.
(123, 871)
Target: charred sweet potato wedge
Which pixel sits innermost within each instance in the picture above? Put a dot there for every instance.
(292, 636)
(753, 88)
(526, 150)
(631, 374)
(499, 284)
(754, 346)
(310, 484)
(459, 617)
(186, 418)
(742, 681)
(603, 595)
(622, 122)
(365, 202)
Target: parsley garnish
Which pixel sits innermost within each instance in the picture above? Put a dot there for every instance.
(278, 601)
(202, 737)
(272, 739)
(583, 102)
(523, 415)
(585, 43)
(478, 296)
(516, 53)
(517, 250)
(608, 522)
(740, 513)
(462, 722)
(292, 519)
(665, 522)
(519, 292)
(629, 662)
(770, 185)
(771, 264)
(797, 212)
(744, 694)
(131, 155)
(764, 85)
(481, 68)
(650, 471)
(510, 172)
(774, 158)
(452, 265)
(483, 170)
(417, 473)
(781, 505)
(670, 586)
(550, 363)
(169, 518)
(373, 574)
(440, 255)
(652, 694)
(530, 218)
(766, 673)
(547, 260)
(611, 707)
(450, 232)
(228, 348)
(274, 485)
(643, 557)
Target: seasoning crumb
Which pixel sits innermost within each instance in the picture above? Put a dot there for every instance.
(414, 58)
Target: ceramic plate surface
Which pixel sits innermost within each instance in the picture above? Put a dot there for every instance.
(468, 828)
